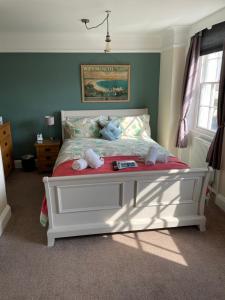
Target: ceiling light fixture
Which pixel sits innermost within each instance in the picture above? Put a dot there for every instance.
(107, 38)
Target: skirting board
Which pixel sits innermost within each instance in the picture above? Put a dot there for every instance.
(4, 218)
(220, 201)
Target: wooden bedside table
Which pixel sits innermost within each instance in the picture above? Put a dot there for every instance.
(47, 152)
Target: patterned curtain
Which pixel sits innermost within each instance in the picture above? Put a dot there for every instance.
(215, 151)
(189, 82)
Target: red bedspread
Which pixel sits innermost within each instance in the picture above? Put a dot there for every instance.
(65, 169)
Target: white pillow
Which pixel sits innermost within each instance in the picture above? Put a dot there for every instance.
(81, 127)
(134, 126)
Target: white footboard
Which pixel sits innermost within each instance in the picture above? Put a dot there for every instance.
(92, 204)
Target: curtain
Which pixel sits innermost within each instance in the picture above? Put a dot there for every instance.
(215, 151)
(189, 82)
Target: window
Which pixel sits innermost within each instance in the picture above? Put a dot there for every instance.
(210, 67)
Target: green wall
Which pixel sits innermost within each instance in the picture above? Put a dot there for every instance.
(33, 85)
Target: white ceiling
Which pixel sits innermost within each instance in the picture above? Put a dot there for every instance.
(128, 17)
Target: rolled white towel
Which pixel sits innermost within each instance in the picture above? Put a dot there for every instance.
(94, 160)
(79, 164)
(163, 158)
(151, 156)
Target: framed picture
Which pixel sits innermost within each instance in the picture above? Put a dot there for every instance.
(105, 83)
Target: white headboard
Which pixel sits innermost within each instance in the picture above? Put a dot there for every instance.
(92, 113)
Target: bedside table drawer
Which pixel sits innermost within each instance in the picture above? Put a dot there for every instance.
(47, 150)
(47, 156)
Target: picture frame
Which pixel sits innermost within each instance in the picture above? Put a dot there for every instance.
(105, 83)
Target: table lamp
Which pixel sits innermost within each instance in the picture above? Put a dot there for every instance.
(50, 121)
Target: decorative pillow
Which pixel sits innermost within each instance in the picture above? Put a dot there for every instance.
(111, 131)
(81, 127)
(134, 126)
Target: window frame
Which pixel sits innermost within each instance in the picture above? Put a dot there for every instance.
(196, 129)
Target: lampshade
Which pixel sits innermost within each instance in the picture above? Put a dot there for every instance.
(108, 47)
(49, 120)
(107, 40)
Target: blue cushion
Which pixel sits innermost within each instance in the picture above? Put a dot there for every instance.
(111, 132)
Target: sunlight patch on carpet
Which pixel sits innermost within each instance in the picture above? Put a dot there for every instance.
(155, 243)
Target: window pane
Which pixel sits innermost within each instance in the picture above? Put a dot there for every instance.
(218, 71)
(215, 93)
(213, 119)
(213, 55)
(205, 94)
(211, 70)
(210, 67)
(203, 117)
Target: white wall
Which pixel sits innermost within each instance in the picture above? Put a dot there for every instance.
(165, 83)
(3, 199)
(220, 198)
(66, 42)
(171, 78)
(5, 210)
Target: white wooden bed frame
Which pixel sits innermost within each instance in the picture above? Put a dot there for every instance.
(118, 202)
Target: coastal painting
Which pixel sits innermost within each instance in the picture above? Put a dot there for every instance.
(105, 83)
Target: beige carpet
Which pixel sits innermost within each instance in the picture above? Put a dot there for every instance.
(173, 264)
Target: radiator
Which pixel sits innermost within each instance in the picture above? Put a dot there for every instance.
(198, 153)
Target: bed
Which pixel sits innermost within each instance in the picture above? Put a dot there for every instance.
(111, 202)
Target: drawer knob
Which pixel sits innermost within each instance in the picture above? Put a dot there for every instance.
(48, 157)
(47, 149)
(6, 143)
(4, 132)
